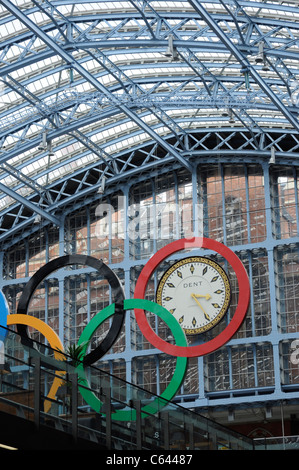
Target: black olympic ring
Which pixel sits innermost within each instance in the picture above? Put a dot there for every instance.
(117, 293)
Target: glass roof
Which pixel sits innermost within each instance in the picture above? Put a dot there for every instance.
(100, 89)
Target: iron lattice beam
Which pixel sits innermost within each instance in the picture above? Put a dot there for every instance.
(33, 207)
(90, 78)
(160, 104)
(246, 66)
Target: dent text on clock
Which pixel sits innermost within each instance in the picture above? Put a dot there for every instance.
(192, 284)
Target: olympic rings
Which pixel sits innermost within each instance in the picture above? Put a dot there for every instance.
(100, 266)
(117, 310)
(181, 364)
(231, 328)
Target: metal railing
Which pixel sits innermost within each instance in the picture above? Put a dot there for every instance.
(277, 443)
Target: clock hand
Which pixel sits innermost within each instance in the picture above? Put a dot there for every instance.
(207, 296)
(205, 313)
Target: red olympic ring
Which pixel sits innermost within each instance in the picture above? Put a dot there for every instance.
(231, 328)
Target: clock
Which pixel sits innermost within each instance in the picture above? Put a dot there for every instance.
(197, 291)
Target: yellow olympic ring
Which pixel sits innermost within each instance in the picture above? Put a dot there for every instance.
(54, 342)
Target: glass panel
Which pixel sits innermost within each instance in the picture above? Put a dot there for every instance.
(191, 380)
(261, 293)
(85, 296)
(235, 205)
(211, 197)
(142, 220)
(76, 233)
(289, 353)
(185, 206)
(257, 212)
(217, 371)
(284, 194)
(144, 373)
(251, 366)
(15, 262)
(258, 317)
(287, 292)
(242, 368)
(265, 365)
(167, 211)
(107, 232)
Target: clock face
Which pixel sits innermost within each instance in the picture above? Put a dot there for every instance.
(196, 290)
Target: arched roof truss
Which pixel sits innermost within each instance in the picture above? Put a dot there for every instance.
(110, 90)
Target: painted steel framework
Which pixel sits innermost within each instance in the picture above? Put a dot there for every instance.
(144, 81)
(110, 93)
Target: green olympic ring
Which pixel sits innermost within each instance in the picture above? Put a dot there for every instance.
(181, 365)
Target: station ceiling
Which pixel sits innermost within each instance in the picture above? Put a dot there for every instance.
(99, 94)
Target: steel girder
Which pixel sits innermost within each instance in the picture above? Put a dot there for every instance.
(119, 92)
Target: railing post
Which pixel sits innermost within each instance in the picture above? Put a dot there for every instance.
(107, 407)
(74, 404)
(165, 422)
(35, 361)
(137, 404)
(191, 436)
(214, 441)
